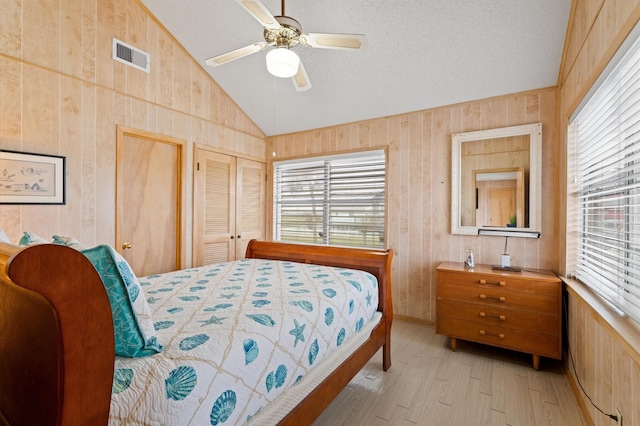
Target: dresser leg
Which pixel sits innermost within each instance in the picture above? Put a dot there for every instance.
(536, 362)
(454, 343)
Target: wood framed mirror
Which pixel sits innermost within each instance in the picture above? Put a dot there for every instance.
(496, 179)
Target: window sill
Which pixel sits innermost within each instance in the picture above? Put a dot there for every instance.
(623, 329)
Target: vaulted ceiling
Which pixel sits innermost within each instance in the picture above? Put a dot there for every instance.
(421, 54)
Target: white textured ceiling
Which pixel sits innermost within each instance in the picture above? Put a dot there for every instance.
(421, 54)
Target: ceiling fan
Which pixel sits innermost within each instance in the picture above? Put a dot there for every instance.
(283, 33)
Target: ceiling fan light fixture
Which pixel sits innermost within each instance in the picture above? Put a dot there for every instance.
(282, 62)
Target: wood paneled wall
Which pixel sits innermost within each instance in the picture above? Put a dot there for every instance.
(62, 93)
(607, 362)
(419, 186)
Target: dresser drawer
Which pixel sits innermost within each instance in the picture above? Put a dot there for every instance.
(494, 297)
(534, 343)
(523, 285)
(499, 316)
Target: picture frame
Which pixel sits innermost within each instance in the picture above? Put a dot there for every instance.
(30, 178)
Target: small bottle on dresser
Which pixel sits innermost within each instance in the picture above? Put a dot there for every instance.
(469, 263)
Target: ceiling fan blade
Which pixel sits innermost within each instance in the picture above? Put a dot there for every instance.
(334, 41)
(301, 79)
(236, 54)
(260, 13)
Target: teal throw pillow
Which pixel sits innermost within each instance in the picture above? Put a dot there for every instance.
(135, 335)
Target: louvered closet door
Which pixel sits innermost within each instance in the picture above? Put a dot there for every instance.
(250, 218)
(229, 200)
(214, 208)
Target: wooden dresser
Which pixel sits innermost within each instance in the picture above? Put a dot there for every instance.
(515, 310)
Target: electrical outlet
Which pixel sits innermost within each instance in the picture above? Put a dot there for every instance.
(619, 414)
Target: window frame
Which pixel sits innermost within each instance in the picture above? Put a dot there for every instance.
(326, 201)
(606, 182)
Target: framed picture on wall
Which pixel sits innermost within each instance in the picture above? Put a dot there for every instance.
(28, 178)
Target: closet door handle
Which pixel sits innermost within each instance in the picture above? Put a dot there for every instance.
(499, 283)
(500, 317)
(498, 299)
(239, 236)
(232, 237)
(484, 333)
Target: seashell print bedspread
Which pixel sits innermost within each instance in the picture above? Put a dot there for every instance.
(235, 335)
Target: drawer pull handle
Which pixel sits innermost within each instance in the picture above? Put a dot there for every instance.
(484, 333)
(500, 283)
(499, 299)
(500, 317)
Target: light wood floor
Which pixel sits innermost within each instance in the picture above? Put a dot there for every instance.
(428, 384)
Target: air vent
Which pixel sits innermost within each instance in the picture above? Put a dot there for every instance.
(129, 55)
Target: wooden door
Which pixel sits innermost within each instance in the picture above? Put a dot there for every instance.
(214, 217)
(148, 201)
(250, 204)
(501, 205)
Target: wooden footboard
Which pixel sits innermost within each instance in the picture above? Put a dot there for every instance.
(57, 340)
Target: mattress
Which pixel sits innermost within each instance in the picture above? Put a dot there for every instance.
(236, 336)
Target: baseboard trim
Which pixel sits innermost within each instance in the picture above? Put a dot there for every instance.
(413, 320)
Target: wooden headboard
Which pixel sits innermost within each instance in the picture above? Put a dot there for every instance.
(70, 352)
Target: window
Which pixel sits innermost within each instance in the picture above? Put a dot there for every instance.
(604, 194)
(337, 200)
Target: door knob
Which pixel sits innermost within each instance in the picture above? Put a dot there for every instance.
(126, 246)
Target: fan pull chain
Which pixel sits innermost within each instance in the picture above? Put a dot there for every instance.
(274, 103)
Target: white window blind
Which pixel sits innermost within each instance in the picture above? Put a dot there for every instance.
(337, 200)
(605, 140)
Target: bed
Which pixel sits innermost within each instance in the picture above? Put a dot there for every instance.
(57, 335)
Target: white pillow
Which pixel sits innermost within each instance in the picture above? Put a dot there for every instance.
(31, 238)
(68, 241)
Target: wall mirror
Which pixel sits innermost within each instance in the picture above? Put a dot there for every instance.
(496, 179)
